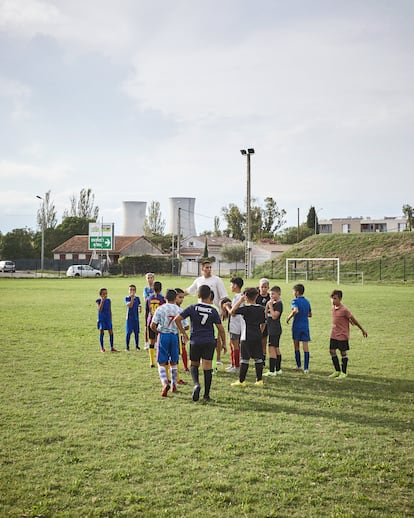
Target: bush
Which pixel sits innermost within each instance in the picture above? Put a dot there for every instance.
(141, 264)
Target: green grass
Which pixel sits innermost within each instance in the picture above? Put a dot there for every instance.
(87, 434)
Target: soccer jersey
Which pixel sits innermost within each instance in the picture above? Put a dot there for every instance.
(273, 325)
(236, 323)
(104, 316)
(203, 317)
(164, 318)
(253, 315)
(132, 318)
(340, 322)
(152, 305)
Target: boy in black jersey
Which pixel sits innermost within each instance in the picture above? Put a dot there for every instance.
(251, 338)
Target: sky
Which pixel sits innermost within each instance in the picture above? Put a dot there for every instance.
(143, 100)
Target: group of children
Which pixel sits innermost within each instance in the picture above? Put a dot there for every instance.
(254, 326)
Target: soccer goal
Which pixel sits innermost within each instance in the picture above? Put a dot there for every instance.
(312, 268)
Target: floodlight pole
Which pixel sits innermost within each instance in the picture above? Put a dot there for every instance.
(248, 250)
(42, 250)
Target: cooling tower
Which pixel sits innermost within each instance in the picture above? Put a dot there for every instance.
(187, 224)
(134, 216)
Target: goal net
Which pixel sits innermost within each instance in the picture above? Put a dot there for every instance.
(313, 269)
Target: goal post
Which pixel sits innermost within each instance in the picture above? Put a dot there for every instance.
(300, 266)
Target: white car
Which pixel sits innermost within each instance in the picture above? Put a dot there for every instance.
(7, 266)
(82, 270)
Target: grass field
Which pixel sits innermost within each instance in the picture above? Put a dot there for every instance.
(87, 434)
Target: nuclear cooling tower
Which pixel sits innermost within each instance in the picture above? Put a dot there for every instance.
(134, 216)
(182, 208)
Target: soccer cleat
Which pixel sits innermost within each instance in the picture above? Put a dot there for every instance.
(259, 383)
(174, 388)
(207, 399)
(102, 349)
(335, 374)
(239, 383)
(342, 375)
(165, 390)
(137, 347)
(146, 347)
(196, 393)
(306, 371)
(218, 362)
(181, 382)
(297, 369)
(113, 350)
(270, 373)
(229, 367)
(127, 348)
(279, 372)
(152, 366)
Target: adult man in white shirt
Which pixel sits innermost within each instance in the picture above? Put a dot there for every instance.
(212, 281)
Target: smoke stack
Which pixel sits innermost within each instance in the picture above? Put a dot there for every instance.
(187, 224)
(134, 216)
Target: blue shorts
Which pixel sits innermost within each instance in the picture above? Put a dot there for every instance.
(301, 335)
(168, 348)
(104, 325)
(131, 326)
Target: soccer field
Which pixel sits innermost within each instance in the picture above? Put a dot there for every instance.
(87, 434)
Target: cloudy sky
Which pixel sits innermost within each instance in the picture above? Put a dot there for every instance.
(150, 99)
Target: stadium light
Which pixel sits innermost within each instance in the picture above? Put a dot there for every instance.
(42, 250)
(248, 250)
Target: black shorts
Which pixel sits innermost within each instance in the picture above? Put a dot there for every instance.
(274, 340)
(251, 350)
(342, 345)
(152, 335)
(265, 332)
(202, 351)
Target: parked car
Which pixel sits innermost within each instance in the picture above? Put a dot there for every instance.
(82, 270)
(7, 266)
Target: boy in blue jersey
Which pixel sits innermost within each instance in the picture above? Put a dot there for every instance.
(105, 319)
(203, 318)
(133, 305)
(301, 312)
(168, 347)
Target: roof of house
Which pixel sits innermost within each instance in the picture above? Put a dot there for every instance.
(80, 244)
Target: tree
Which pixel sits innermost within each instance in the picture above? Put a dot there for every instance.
(235, 222)
(408, 212)
(217, 231)
(84, 207)
(153, 223)
(273, 217)
(48, 212)
(233, 253)
(18, 244)
(205, 253)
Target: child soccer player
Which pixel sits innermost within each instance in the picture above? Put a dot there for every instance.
(133, 305)
(202, 343)
(151, 306)
(147, 294)
(274, 310)
(251, 337)
(236, 324)
(301, 312)
(183, 350)
(163, 323)
(105, 319)
(263, 298)
(341, 318)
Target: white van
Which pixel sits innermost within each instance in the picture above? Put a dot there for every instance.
(7, 266)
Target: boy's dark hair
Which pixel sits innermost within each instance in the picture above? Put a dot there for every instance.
(157, 287)
(224, 300)
(205, 261)
(171, 295)
(251, 293)
(238, 281)
(211, 295)
(300, 288)
(204, 292)
(276, 288)
(338, 293)
(132, 286)
(101, 290)
(178, 290)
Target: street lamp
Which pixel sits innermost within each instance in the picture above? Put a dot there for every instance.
(248, 252)
(42, 251)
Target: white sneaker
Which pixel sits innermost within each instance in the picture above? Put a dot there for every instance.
(306, 371)
(279, 372)
(219, 363)
(229, 368)
(146, 347)
(269, 373)
(233, 370)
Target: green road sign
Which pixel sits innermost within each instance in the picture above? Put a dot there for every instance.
(100, 243)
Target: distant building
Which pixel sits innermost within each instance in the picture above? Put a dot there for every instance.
(348, 225)
(76, 249)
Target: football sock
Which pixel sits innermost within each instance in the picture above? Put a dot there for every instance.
(232, 356)
(214, 363)
(208, 375)
(344, 363)
(335, 362)
(184, 357)
(111, 340)
(101, 340)
(258, 364)
(162, 371)
(278, 362)
(272, 364)
(264, 359)
(237, 358)
(194, 374)
(174, 374)
(306, 360)
(244, 367)
(152, 354)
(127, 340)
(297, 358)
(136, 339)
